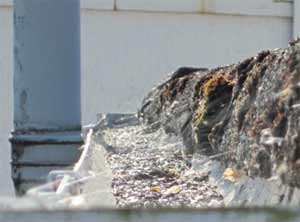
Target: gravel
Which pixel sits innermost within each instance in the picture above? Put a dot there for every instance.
(149, 170)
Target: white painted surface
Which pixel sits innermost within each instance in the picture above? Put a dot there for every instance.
(124, 54)
(282, 8)
(160, 5)
(5, 3)
(5, 99)
(232, 7)
(98, 4)
(253, 7)
(296, 18)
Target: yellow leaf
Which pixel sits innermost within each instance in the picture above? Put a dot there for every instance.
(173, 190)
(173, 172)
(155, 189)
(232, 175)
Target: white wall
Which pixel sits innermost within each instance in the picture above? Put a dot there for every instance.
(126, 52)
(296, 16)
(5, 99)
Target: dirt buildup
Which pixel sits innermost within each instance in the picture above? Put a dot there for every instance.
(249, 111)
(149, 171)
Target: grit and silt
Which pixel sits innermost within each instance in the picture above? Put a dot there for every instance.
(149, 170)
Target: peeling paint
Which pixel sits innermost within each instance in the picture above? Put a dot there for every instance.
(23, 103)
(18, 63)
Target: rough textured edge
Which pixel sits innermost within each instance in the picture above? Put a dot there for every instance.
(249, 192)
(264, 88)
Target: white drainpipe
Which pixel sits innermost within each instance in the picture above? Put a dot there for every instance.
(47, 106)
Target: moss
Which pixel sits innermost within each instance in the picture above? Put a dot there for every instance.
(215, 95)
(173, 89)
(211, 92)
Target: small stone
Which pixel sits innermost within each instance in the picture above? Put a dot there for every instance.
(173, 190)
(232, 175)
(142, 176)
(155, 189)
(173, 172)
(200, 178)
(146, 176)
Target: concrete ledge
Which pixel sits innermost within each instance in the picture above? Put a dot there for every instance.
(275, 8)
(14, 212)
